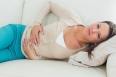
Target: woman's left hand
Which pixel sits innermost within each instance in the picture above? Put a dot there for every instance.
(29, 49)
(34, 36)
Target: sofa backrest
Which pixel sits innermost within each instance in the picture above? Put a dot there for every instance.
(90, 11)
(25, 11)
(10, 11)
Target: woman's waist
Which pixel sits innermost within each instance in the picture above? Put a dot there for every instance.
(50, 50)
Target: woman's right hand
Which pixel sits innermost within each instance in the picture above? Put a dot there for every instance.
(35, 34)
(29, 49)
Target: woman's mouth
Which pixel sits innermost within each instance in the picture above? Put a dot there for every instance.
(88, 31)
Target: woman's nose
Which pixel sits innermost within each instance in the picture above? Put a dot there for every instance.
(95, 30)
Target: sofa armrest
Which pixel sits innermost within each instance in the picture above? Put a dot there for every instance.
(111, 65)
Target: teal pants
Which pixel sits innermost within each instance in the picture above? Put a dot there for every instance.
(10, 42)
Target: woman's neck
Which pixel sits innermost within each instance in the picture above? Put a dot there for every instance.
(78, 35)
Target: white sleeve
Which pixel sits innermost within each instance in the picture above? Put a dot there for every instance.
(59, 10)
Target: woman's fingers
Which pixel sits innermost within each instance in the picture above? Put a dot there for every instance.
(41, 30)
(26, 43)
(34, 38)
(28, 48)
(31, 47)
(35, 34)
(37, 39)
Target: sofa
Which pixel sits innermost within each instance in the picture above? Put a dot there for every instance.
(25, 12)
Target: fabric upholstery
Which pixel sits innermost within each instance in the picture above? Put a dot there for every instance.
(47, 68)
(25, 12)
(10, 11)
(111, 65)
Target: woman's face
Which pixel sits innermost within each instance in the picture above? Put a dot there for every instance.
(97, 32)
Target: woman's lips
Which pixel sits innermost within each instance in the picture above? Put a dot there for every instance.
(88, 31)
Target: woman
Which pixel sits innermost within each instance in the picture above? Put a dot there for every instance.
(58, 40)
(64, 37)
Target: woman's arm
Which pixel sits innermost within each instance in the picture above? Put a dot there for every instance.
(50, 6)
(57, 9)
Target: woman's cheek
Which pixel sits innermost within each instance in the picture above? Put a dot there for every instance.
(95, 38)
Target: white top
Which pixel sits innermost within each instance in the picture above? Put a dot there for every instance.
(60, 40)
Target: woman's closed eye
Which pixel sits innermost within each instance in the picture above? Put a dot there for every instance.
(99, 35)
(98, 26)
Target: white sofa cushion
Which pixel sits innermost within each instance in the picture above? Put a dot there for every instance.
(10, 11)
(111, 65)
(31, 10)
(99, 54)
(47, 68)
(90, 11)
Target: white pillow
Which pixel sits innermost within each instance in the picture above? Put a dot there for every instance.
(99, 54)
(10, 11)
(103, 50)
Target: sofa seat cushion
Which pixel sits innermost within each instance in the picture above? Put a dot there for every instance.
(47, 68)
(111, 65)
